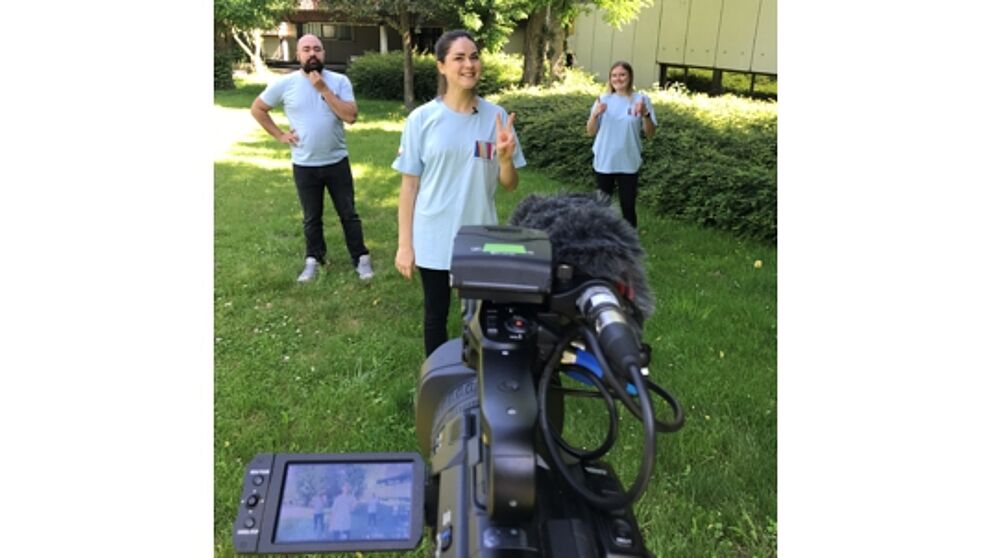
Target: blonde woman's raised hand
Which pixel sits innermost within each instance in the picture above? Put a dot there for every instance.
(600, 107)
(639, 107)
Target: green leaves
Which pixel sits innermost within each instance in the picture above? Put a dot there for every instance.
(381, 75)
(620, 12)
(250, 14)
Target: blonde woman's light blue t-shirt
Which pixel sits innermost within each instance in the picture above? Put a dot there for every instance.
(617, 147)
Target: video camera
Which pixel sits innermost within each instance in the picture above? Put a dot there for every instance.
(501, 480)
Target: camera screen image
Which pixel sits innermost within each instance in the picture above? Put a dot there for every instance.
(345, 502)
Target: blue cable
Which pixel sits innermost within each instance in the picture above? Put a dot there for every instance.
(587, 360)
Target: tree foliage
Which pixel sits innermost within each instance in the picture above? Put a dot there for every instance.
(400, 15)
(244, 21)
(250, 14)
(391, 11)
(619, 12)
(548, 23)
(491, 21)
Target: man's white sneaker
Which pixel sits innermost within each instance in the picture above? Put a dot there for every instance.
(309, 272)
(364, 267)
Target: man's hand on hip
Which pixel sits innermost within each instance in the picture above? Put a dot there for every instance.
(289, 138)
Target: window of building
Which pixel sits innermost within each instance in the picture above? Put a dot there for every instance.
(328, 31)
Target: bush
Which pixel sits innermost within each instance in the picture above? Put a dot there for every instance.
(223, 70)
(712, 161)
(380, 76)
(500, 72)
(737, 83)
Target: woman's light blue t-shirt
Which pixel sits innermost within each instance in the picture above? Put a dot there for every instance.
(454, 154)
(617, 147)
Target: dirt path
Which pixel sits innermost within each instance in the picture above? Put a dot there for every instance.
(230, 126)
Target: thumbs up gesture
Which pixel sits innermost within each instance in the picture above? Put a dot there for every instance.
(639, 107)
(600, 107)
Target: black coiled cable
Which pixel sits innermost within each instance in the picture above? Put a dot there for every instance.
(644, 409)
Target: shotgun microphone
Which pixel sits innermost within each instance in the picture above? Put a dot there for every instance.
(589, 235)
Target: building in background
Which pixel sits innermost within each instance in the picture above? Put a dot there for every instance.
(343, 38)
(718, 35)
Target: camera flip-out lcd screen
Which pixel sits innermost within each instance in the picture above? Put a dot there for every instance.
(318, 503)
(345, 502)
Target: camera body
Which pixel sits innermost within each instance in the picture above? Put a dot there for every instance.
(491, 493)
(487, 489)
(461, 469)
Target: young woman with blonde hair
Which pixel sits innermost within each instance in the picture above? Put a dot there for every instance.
(616, 120)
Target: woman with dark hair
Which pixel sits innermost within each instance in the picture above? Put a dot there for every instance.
(454, 150)
(616, 120)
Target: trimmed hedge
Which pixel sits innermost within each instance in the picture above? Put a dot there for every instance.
(712, 161)
(223, 71)
(380, 76)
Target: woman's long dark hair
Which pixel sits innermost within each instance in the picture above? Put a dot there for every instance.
(441, 49)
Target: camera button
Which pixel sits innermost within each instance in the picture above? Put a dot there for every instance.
(516, 324)
(622, 532)
(250, 522)
(509, 385)
(257, 480)
(252, 501)
(491, 328)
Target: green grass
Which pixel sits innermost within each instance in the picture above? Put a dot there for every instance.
(331, 366)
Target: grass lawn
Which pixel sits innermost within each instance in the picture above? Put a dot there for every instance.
(331, 366)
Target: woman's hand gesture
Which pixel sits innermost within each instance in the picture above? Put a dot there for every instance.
(506, 141)
(639, 107)
(600, 107)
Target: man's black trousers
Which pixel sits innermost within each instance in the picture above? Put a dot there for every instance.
(310, 184)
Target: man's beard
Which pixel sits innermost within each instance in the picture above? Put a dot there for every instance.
(313, 64)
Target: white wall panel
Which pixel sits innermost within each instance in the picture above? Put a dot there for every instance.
(704, 25)
(671, 38)
(764, 59)
(645, 45)
(736, 39)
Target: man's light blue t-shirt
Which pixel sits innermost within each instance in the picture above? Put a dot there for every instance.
(321, 132)
(617, 147)
(454, 154)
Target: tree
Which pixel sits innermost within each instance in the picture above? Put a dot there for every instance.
(548, 23)
(244, 21)
(400, 15)
(491, 21)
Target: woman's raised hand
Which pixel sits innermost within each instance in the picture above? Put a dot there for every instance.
(506, 141)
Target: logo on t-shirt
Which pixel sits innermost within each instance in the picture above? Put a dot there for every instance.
(485, 149)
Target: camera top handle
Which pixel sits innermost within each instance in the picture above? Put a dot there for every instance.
(508, 405)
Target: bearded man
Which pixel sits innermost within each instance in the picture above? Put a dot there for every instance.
(318, 102)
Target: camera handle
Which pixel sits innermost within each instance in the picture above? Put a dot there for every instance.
(509, 413)
(503, 341)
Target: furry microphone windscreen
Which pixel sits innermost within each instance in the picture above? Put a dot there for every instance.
(591, 236)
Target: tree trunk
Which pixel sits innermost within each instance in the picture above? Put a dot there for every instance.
(257, 62)
(556, 48)
(254, 51)
(409, 101)
(534, 47)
